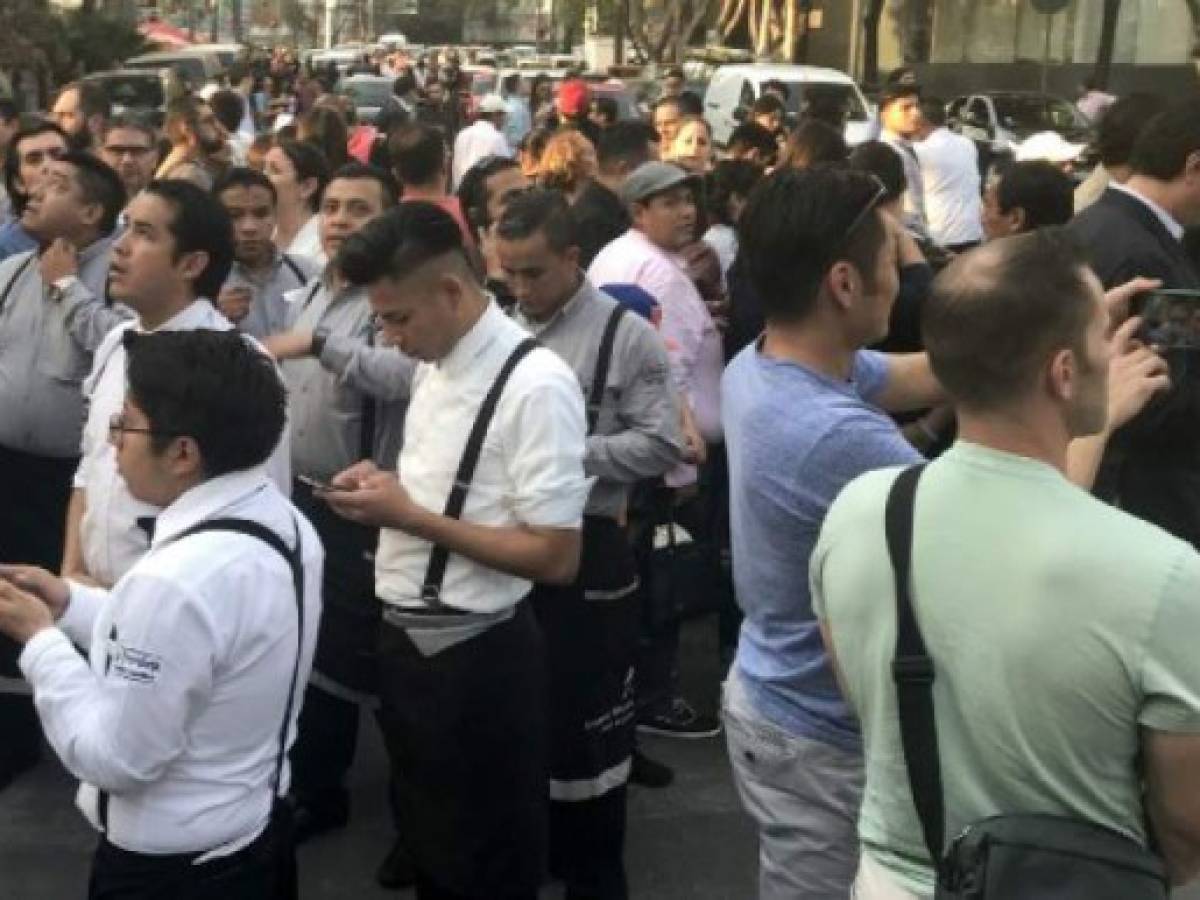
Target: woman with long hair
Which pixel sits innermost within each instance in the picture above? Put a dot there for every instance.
(299, 173)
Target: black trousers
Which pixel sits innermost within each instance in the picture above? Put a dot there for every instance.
(466, 734)
(327, 735)
(263, 870)
(591, 632)
(34, 494)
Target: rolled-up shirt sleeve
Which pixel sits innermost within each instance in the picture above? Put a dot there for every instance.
(548, 487)
(119, 724)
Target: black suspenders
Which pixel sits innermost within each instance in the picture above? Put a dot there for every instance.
(12, 281)
(295, 563)
(603, 361)
(435, 573)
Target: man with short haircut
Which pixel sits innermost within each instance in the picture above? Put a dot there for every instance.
(173, 255)
(419, 162)
(673, 82)
(591, 626)
(348, 392)
(485, 190)
(253, 296)
(229, 107)
(197, 139)
(131, 147)
(1136, 229)
(52, 317)
(949, 165)
(26, 165)
(469, 525)
(480, 139)
(754, 143)
(400, 108)
(768, 111)
(81, 110)
(178, 720)
(666, 118)
(803, 410)
(1116, 135)
(900, 125)
(1039, 605)
(622, 149)
(1026, 196)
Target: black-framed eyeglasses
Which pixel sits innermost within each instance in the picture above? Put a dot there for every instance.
(117, 427)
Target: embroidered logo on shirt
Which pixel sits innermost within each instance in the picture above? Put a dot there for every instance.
(132, 664)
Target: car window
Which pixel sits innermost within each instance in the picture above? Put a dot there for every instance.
(132, 91)
(803, 94)
(746, 97)
(367, 93)
(977, 113)
(1028, 114)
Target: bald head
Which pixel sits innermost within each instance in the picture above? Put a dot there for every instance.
(998, 313)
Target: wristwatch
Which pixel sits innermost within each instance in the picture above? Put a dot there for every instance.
(60, 287)
(318, 341)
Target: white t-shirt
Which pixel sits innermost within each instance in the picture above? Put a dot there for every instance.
(475, 142)
(950, 174)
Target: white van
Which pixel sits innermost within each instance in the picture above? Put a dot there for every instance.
(733, 90)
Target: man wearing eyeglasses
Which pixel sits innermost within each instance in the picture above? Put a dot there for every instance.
(52, 317)
(26, 165)
(129, 146)
(802, 409)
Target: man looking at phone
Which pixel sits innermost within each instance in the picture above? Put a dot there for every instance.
(1136, 229)
(52, 318)
(252, 297)
(348, 392)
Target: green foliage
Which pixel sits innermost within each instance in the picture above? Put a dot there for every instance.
(96, 41)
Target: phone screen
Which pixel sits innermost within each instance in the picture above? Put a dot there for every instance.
(1171, 319)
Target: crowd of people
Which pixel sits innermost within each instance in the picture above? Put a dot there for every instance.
(301, 417)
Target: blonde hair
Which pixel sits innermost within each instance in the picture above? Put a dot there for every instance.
(567, 160)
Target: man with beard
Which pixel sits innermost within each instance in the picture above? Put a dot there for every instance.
(131, 147)
(52, 317)
(81, 110)
(197, 140)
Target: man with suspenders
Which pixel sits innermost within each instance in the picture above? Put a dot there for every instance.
(347, 395)
(487, 502)
(591, 625)
(178, 720)
(252, 297)
(53, 315)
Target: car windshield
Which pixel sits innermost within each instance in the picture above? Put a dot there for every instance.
(809, 93)
(132, 91)
(367, 93)
(1034, 113)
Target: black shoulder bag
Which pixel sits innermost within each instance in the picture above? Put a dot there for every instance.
(1017, 856)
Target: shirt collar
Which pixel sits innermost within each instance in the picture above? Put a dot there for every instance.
(473, 343)
(206, 500)
(200, 313)
(97, 247)
(1165, 217)
(270, 269)
(569, 309)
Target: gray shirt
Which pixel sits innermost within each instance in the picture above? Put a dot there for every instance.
(47, 338)
(269, 311)
(329, 395)
(637, 433)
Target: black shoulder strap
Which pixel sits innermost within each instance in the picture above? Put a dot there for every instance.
(435, 573)
(295, 269)
(12, 281)
(603, 361)
(295, 563)
(311, 293)
(912, 670)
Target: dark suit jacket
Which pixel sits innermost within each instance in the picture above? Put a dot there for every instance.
(1153, 465)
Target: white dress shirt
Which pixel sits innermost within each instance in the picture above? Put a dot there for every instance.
(307, 242)
(530, 471)
(914, 194)
(110, 537)
(475, 142)
(176, 711)
(953, 199)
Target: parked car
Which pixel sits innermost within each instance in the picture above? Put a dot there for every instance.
(368, 93)
(194, 68)
(998, 121)
(227, 54)
(142, 92)
(734, 89)
(484, 80)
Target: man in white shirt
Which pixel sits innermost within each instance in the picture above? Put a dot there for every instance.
(178, 720)
(481, 139)
(900, 121)
(949, 166)
(489, 500)
(175, 252)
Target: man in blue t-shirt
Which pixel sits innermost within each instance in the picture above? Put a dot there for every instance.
(803, 414)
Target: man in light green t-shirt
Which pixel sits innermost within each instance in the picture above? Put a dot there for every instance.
(1063, 631)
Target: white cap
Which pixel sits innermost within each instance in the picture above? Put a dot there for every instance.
(1049, 146)
(208, 90)
(493, 103)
